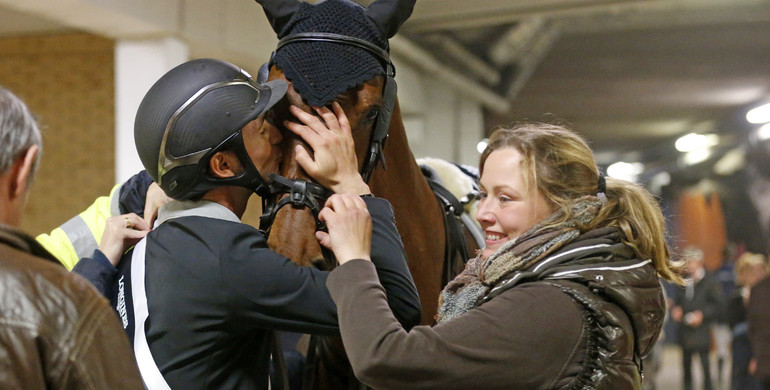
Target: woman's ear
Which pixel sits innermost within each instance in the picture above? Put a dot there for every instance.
(224, 164)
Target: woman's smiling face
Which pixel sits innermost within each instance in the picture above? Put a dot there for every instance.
(508, 208)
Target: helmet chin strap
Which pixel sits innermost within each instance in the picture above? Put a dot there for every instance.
(250, 177)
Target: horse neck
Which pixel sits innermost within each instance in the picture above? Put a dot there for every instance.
(402, 182)
(418, 215)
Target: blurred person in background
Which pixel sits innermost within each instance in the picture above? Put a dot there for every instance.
(749, 269)
(758, 317)
(697, 306)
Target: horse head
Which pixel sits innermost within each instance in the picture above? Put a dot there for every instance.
(333, 50)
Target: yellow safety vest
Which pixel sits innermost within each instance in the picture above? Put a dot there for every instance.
(78, 237)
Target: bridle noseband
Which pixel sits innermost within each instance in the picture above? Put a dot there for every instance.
(301, 193)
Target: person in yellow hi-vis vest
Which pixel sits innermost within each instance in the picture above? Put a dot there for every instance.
(81, 235)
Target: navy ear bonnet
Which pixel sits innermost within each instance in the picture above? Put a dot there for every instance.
(320, 71)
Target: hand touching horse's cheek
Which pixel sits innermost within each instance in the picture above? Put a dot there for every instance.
(292, 233)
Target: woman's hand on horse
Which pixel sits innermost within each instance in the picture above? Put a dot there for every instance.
(120, 233)
(349, 225)
(334, 163)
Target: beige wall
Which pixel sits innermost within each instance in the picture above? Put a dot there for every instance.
(67, 81)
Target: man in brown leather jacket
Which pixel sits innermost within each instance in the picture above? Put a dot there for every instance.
(56, 331)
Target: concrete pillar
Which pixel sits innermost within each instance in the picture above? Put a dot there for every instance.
(138, 64)
(469, 131)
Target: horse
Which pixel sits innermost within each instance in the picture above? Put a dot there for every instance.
(392, 172)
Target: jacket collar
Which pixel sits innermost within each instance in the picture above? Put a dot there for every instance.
(195, 208)
(596, 250)
(19, 240)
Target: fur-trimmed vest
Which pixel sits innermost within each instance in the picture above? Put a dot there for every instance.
(622, 301)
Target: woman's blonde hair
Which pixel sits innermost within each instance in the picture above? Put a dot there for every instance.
(563, 169)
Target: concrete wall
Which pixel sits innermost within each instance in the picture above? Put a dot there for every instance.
(440, 121)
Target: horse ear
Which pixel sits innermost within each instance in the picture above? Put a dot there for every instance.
(279, 12)
(389, 15)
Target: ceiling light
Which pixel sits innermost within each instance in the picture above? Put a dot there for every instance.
(696, 156)
(694, 141)
(482, 145)
(763, 132)
(731, 162)
(760, 114)
(625, 171)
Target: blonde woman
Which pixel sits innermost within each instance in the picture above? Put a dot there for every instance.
(565, 295)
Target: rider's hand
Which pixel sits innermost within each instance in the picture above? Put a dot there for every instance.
(120, 233)
(334, 164)
(350, 227)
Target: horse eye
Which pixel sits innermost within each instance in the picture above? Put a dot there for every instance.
(372, 114)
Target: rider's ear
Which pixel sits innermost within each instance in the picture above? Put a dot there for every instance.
(224, 164)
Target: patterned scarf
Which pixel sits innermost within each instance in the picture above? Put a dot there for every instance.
(480, 275)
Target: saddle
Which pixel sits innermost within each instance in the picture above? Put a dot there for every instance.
(456, 188)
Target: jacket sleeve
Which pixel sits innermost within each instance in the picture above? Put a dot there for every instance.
(274, 292)
(389, 258)
(78, 237)
(269, 291)
(495, 346)
(98, 270)
(100, 352)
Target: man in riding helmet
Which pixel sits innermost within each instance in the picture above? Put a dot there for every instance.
(201, 294)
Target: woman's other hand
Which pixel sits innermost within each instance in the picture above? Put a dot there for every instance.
(120, 233)
(349, 225)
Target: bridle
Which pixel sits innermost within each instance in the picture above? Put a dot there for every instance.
(380, 131)
(303, 193)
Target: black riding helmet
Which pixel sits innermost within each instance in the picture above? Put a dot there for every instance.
(193, 111)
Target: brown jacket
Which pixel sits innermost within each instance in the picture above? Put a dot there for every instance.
(583, 322)
(56, 331)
